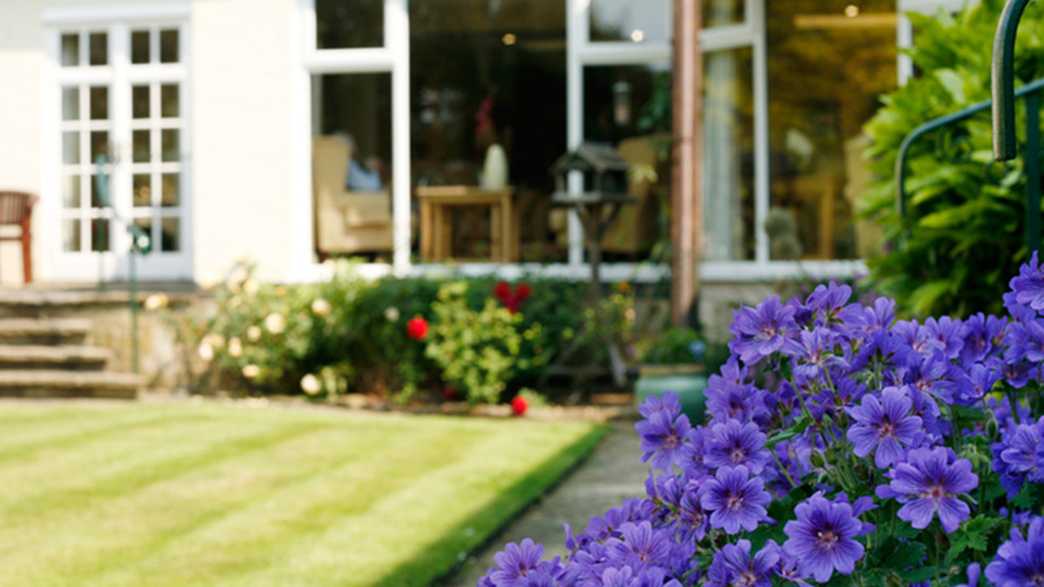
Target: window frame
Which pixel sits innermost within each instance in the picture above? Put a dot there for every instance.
(119, 75)
(393, 57)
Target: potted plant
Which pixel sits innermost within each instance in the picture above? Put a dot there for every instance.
(674, 363)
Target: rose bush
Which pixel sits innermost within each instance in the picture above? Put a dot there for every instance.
(841, 447)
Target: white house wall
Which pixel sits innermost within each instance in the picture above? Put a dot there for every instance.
(240, 68)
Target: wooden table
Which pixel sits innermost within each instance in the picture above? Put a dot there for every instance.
(437, 227)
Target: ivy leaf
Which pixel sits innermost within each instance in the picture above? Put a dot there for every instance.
(972, 535)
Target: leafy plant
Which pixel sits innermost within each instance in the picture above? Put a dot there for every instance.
(963, 233)
(675, 346)
(476, 350)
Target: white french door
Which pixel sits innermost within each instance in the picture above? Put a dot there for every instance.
(121, 157)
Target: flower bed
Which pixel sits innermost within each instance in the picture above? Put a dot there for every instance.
(842, 446)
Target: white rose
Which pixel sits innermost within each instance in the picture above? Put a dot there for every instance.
(235, 346)
(251, 371)
(310, 384)
(215, 340)
(275, 323)
(321, 307)
(205, 351)
(250, 287)
(254, 333)
(392, 314)
(156, 301)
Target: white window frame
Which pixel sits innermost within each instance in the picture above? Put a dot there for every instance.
(119, 75)
(393, 58)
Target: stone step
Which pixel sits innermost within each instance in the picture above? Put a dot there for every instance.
(74, 357)
(43, 331)
(58, 384)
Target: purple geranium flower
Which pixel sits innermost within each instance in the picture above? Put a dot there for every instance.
(734, 499)
(734, 443)
(625, 577)
(1020, 455)
(972, 573)
(640, 546)
(662, 433)
(1028, 285)
(728, 400)
(929, 484)
(762, 331)
(733, 565)
(822, 538)
(883, 426)
(1020, 561)
(520, 564)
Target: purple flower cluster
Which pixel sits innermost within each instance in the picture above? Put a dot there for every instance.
(825, 398)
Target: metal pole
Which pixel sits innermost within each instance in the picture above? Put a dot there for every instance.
(686, 218)
(1031, 162)
(1003, 80)
(133, 267)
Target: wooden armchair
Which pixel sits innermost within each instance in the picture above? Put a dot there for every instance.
(16, 208)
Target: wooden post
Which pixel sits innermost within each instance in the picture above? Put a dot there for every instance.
(686, 203)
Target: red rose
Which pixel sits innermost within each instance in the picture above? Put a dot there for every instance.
(522, 292)
(449, 394)
(519, 406)
(502, 291)
(417, 328)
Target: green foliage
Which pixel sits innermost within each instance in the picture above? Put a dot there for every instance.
(348, 334)
(476, 350)
(673, 347)
(963, 235)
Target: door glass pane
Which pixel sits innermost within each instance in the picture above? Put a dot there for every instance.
(169, 101)
(70, 49)
(99, 48)
(139, 46)
(71, 191)
(171, 185)
(70, 235)
(169, 46)
(170, 148)
(170, 236)
(71, 103)
(99, 145)
(70, 148)
(98, 199)
(627, 107)
(140, 102)
(488, 81)
(628, 20)
(728, 156)
(99, 98)
(723, 12)
(826, 76)
(343, 24)
(145, 224)
(141, 149)
(142, 190)
(100, 234)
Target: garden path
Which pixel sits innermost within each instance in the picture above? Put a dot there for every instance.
(611, 474)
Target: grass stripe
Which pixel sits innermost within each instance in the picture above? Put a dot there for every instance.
(226, 550)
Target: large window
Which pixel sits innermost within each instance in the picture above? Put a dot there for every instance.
(486, 76)
(828, 63)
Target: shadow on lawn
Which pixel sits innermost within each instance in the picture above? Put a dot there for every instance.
(440, 560)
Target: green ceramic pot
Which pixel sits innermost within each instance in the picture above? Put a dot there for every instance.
(688, 382)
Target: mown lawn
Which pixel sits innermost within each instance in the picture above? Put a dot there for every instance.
(217, 494)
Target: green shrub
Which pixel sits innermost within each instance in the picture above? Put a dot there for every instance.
(965, 219)
(675, 346)
(476, 349)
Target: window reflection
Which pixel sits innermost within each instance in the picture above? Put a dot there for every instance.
(345, 24)
(647, 21)
(489, 77)
(826, 70)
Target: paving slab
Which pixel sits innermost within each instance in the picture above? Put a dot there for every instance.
(610, 475)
